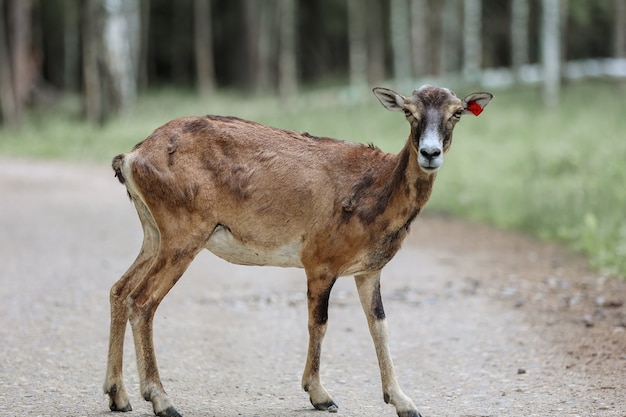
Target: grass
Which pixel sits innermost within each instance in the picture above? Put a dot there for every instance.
(560, 175)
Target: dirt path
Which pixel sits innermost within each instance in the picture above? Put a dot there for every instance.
(482, 322)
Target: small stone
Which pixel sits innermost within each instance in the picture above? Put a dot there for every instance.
(613, 303)
(587, 320)
(573, 300)
(521, 371)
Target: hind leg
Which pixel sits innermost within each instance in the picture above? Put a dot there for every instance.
(114, 383)
(170, 263)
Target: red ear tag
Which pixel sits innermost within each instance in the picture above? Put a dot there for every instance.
(475, 108)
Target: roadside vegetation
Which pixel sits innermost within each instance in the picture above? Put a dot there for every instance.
(560, 174)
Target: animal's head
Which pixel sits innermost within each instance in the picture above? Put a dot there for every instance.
(432, 112)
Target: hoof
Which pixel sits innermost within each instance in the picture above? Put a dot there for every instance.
(115, 407)
(169, 412)
(409, 413)
(117, 397)
(329, 406)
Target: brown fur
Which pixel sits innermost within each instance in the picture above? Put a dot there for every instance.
(259, 195)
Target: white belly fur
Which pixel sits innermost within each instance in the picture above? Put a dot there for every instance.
(223, 244)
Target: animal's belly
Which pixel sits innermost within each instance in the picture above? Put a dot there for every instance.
(223, 244)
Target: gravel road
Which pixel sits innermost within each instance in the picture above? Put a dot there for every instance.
(482, 322)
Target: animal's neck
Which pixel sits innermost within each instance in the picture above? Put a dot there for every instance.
(414, 186)
(394, 201)
(410, 192)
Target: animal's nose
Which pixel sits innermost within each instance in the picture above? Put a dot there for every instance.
(430, 153)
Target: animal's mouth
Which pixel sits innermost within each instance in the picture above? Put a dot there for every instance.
(430, 167)
(429, 170)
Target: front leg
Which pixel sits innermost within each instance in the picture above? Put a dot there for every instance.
(318, 293)
(368, 287)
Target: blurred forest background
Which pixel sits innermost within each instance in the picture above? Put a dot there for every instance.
(109, 50)
(84, 80)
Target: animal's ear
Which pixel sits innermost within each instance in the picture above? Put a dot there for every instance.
(389, 99)
(475, 103)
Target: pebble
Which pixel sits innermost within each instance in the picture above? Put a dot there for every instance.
(587, 320)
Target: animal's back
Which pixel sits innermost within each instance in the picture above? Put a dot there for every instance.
(247, 159)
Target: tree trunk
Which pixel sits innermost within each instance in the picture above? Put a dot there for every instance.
(452, 36)
(121, 47)
(265, 44)
(178, 53)
(357, 43)
(563, 13)
(259, 36)
(472, 41)
(419, 37)
(400, 35)
(22, 65)
(8, 107)
(251, 10)
(435, 40)
(92, 30)
(550, 52)
(519, 35)
(71, 46)
(144, 44)
(110, 55)
(287, 64)
(619, 27)
(203, 43)
(375, 42)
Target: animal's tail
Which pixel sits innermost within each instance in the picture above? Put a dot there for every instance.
(117, 167)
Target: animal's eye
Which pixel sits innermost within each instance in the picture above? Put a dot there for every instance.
(457, 114)
(407, 113)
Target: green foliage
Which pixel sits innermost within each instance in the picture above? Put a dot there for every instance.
(560, 175)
